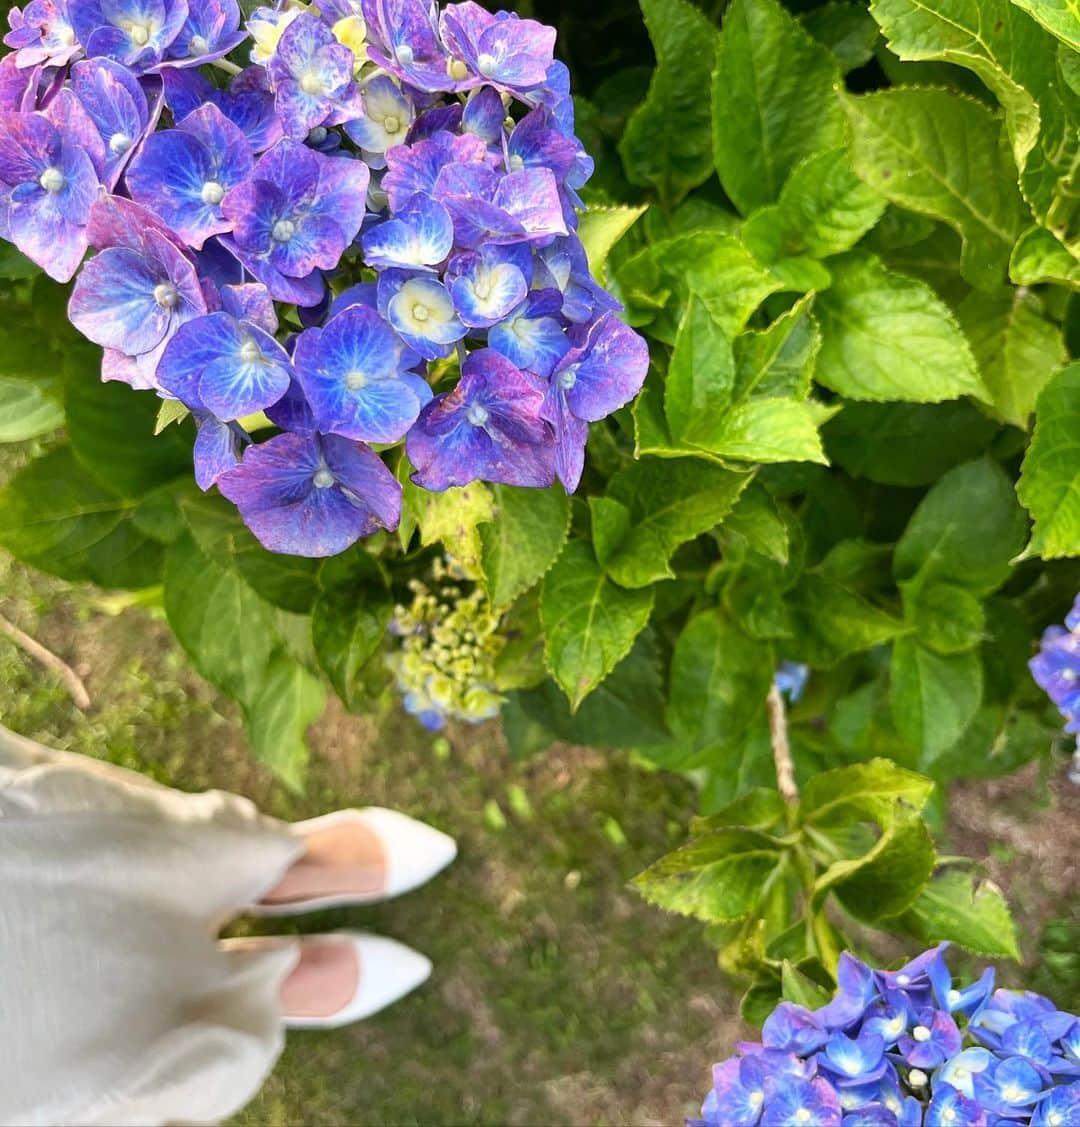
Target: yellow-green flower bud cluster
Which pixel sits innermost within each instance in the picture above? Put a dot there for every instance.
(445, 667)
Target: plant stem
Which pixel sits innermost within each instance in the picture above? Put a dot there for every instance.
(227, 67)
(778, 734)
(67, 676)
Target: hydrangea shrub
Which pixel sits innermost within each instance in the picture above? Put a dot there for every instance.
(904, 1048)
(755, 352)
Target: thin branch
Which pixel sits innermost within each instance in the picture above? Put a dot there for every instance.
(778, 734)
(227, 67)
(67, 676)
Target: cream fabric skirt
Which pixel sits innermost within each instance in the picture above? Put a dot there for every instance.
(118, 1004)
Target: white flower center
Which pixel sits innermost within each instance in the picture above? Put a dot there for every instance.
(405, 54)
(477, 415)
(756, 1098)
(1054, 1119)
(283, 231)
(948, 1115)
(322, 478)
(487, 65)
(318, 134)
(917, 1078)
(356, 380)
(52, 180)
(391, 123)
(420, 312)
(568, 378)
(138, 32)
(921, 1033)
(896, 1026)
(250, 352)
(166, 295)
(457, 70)
(212, 193)
(803, 1115)
(903, 979)
(311, 83)
(66, 36)
(119, 143)
(517, 162)
(953, 997)
(961, 1073)
(198, 46)
(1013, 1093)
(1068, 675)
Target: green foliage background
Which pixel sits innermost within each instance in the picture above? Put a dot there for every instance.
(852, 238)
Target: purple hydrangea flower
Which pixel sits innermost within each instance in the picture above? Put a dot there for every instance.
(312, 77)
(488, 428)
(355, 377)
(1056, 668)
(184, 174)
(133, 296)
(489, 207)
(388, 114)
(115, 102)
(246, 103)
(312, 495)
(136, 33)
(42, 34)
(489, 284)
(588, 384)
(295, 216)
(419, 236)
(211, 31)
(501, 49)
(48, 185)
(422, 311)
(403, 39)
(224, 366)
(415, 169)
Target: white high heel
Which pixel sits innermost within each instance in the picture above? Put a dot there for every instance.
(388, 971)
(414, 853)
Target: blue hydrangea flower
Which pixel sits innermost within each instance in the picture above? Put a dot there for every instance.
(791, 678)
(403, 40)
(42, 34)
(136, 33)
(793, 1029)
(218, 448)
(312, 77)
(355, 377)
(422, 311)
(295, 216)
(489, 207)
(934, 1037)
(47, 187)
(224, 366)
(184, 174)
(802, 1103)
(1060, 1108)
(419, 236)
(489, 285)
(960, 1071)
(1056, 668)
(210, 32)
(415, 169)
(388, 115)
(484, 116)
(247, 104)
(115, 102)
(133, 295)
(488, 428)
(588, 384)
(853, 1060)
(563, 265)
(531, 336)
(502, 49)
(312, 495)
(951, 1108)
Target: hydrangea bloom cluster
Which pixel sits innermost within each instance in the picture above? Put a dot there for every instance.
(1056, 669)
(905, 1048)
(368, 234)
(445, 666)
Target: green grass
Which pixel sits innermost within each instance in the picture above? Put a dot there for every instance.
(558, 996)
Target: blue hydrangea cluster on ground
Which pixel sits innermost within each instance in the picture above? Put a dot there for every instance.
(905, 1048)
(368, 233)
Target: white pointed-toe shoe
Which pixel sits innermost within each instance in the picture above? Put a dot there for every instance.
(414, 852)
(388, 971)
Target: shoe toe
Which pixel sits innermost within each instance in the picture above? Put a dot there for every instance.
(415, 851)
(388, 971)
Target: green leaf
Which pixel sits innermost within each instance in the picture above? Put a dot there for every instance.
(349, 621)
(824, 209)
(589, 623)
(948, 619)
(773, 101)
(720, 678)
(758, 520)
(801, 989)
(779, 359)
(933, 697)
(889, 337)
(832, 622)
(451, 518)
(57, 518)
(758, 809)
(1014, 58)
(669, 504)
(226, 629)
(1059, 17)
(28, 408)
(972, 914)
(763, 429)
(701, 375)
(944, 155)
(714, 878)
(601, 228)
(111, 428)
(966, 530)
(666, 144)
(1039, 257)
(289, 701)
(1050, 480)
(527, 533)
(1017, 347)
(846, 29)
(889, 878)
(906, 444)
(171, 411)
(863, 791)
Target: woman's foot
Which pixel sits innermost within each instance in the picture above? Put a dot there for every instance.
(356, 857)
(347, 976)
